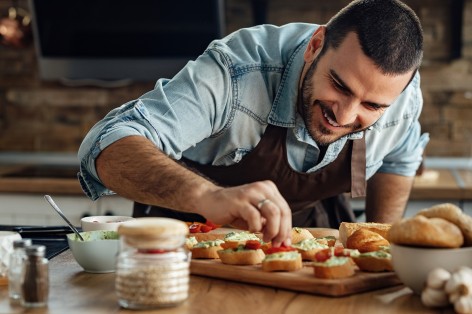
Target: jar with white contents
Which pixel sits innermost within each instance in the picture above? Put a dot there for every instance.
(153, 263)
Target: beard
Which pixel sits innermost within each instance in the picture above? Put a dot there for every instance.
(316, 129)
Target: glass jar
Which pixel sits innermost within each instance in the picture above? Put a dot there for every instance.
(153, 264)
(17, 259)
(35, 277)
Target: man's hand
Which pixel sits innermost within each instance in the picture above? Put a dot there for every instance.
(135, 168)
(255, 207)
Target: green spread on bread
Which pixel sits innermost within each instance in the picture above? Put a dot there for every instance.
(309, 244)
(208, 244)
(333, 261)
(282, 256)
(240, 236)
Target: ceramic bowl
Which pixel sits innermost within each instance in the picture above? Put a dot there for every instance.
(413, 264)
(98, 253)
(92, 223)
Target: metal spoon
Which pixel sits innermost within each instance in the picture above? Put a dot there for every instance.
(59, 211)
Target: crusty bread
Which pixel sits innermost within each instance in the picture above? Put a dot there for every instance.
(373, 264)
(215, 234)
(454, 214)
(300, 234)
(309, 247)
(282, 264)
(206, 252)
(348, 228)
(327, 271)
(429, 232)
(242, 257)
(324, 232)
(365, 240)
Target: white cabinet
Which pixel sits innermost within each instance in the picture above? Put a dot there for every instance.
(32, 209)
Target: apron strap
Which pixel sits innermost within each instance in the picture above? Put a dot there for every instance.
(358, 166)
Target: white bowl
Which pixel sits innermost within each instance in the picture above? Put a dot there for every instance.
(412, 264)
(92, 223)
(98, 253)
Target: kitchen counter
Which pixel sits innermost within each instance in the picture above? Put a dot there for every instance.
(75, 291)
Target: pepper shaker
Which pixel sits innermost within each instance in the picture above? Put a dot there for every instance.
(35, 277)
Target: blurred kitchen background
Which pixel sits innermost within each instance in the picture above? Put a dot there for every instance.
(44, 117)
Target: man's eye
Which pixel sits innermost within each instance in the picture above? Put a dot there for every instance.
(374, 106)
(338, 86)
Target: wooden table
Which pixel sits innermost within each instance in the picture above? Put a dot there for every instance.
(75, 291)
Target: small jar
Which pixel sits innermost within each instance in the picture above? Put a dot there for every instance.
(35, 277)
(153, 264)
(17, 259)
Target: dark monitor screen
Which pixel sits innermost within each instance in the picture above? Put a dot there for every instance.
(122, 39)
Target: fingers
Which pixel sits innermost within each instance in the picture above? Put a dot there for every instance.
(276, 214)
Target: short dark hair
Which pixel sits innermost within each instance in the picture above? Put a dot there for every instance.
(389, 32)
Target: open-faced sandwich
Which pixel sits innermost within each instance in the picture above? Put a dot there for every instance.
(282, 259)
(334, 263)
(375, 261)
(298, 234)
(346, 229)
(374, 250)
(207, 249)
(309, 247)
(248, 253)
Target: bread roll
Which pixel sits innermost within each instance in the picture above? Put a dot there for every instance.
(348, 228)
(428, 232)
(365, 240)
(454, 214)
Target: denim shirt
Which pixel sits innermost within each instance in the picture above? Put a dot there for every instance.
(216, 109)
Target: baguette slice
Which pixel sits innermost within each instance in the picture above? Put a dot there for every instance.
(207, 249)
(348, 228)
(236, 238)
(334, 268)
(299, 234)
(309, 247)
(241, 257)
(377, 261)
(282, 261)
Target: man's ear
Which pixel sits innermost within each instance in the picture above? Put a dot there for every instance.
(315, 45)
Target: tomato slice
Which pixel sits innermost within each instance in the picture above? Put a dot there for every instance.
(211, 224)
(195, 227)
(205, 228)
(323, 255)
(252, 245)
(281, 248)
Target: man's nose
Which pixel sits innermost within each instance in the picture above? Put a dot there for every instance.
(346, 112)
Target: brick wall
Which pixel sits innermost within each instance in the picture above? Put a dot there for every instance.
(38, 116)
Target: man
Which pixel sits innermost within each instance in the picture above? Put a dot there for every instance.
(274, 124)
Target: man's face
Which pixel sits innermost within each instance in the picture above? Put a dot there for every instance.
(344, 91)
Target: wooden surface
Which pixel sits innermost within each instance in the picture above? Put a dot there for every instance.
(302, 280)
(74, 291)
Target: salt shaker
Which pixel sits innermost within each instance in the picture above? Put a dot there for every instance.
(17, 259)
(35, 277)
(153, 263)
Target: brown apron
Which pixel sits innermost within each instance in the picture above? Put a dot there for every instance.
(316, 199)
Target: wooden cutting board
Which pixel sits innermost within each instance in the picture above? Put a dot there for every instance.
(302, 280)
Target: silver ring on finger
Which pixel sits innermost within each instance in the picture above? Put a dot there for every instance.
(262, 203)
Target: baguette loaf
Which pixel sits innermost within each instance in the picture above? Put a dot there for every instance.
(366, 240)
(348, 228)
(282, 261)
